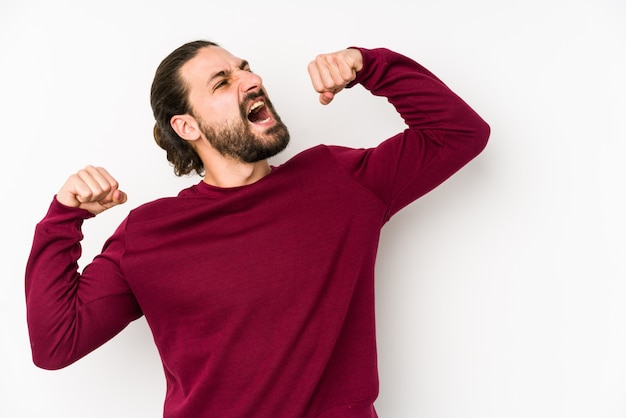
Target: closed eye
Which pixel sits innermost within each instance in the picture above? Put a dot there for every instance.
(220, 84)
(244, 66)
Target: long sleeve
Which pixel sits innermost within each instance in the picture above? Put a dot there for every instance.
(70, 314)
(443, 133)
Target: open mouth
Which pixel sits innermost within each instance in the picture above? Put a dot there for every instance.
(259, 113)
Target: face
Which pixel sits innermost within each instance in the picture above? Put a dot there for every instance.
(232, 109)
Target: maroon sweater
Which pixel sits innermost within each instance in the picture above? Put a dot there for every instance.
(260, 298)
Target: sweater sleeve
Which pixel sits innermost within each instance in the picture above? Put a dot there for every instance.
(70, 314)
(443, 133)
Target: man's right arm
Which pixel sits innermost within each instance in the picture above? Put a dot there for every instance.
(70, 314)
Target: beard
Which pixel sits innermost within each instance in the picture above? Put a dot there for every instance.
(236, 139)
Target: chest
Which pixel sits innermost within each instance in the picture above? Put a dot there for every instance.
(250, 248)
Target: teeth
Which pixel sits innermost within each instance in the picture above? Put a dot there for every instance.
(256, 106)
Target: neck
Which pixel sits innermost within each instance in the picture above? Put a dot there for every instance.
(229, 173)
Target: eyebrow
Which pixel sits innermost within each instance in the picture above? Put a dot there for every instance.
(224, 73)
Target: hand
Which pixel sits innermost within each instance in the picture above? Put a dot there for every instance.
(92, 189)
(330, 73)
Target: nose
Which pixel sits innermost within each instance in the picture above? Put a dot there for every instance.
(249, 81)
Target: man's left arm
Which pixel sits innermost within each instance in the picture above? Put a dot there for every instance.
(443, 132)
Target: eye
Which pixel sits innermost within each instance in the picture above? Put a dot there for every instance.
(219, 84)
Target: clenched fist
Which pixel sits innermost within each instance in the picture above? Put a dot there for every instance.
(92, 189)
(330, 73)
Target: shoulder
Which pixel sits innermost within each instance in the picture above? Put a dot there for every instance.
(165, 206)
(322, 154)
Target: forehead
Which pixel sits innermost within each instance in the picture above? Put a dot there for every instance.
(208, 61)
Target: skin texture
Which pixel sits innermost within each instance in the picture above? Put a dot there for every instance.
(219, 83)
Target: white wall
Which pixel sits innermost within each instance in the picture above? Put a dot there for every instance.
(500, 294)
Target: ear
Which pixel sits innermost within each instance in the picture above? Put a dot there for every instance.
(186, 127)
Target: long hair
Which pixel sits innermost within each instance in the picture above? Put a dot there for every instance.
(169, 97)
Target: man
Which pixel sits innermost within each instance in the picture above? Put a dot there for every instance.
(258, 282)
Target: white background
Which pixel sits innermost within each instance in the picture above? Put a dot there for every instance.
(500, 294)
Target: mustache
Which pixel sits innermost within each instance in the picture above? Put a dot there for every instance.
(254, 95)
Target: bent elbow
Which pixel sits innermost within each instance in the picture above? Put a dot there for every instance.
(46, 364)
(50, 348)
(44, 357)
(480, 136)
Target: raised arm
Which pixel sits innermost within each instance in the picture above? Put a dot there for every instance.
(443, 133)
(70, 314)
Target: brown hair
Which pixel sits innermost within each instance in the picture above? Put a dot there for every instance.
(169, 97)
